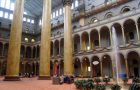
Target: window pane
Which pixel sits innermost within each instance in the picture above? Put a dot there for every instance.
(32, 21)
(6, 15)
(2, 3)
(11, 16)
(12, 6)
(60, 11)
(1, 13)
(40, 22)
(72, 6)
(25, 13)
(53, 14)
(76, 3)
(24, 19)
(57, 13)
(28, 20)
(7, 4)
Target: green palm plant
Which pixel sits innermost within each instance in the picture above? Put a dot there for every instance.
(115, 87)
(100, 87)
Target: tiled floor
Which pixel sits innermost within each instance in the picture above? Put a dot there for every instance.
(34, 84)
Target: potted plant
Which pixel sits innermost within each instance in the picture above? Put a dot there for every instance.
(115, 87)
(100, 87)
(90, 84)
(134, 86)
(84, 84)
(78, 84)
(106, 80)
(97, 80)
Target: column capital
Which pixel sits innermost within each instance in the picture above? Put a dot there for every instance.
(67, 2)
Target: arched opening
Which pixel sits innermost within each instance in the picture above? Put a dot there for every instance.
(85, 67)
(33, 69)
(22, 51)
(105, 37)
(56, 48)
(3, 69)
(52, 48)
(34, 52)
(133, 64)
(1, 49)
(28, 69)
(21, 69)
(122, 64)
(107, 66)
(130, 31)
(77, 67)
(85, 41)
(28, 52)
(96, 70)
(62, 46)
(51, 68)
(76, 43)
(38, 51)
(37, 68)
(6, 46)
(94, 39)
(119, 34)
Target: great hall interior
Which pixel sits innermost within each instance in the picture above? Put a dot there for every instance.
(68, 37)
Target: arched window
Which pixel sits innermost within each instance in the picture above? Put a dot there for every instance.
(76, 3)
(108, 15)
(93, 20)
(125, 9)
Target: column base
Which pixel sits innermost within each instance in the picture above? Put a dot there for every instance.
(12, 78)
(44, 78)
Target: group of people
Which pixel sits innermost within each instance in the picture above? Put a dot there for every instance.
(66, 79)
(29, 75)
